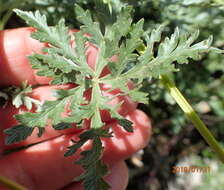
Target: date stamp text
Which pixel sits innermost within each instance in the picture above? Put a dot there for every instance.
(191, 169)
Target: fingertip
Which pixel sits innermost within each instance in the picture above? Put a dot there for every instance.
(117, 178)
(123, 144)
(15, 46)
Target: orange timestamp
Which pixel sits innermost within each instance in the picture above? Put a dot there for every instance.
(191, 169)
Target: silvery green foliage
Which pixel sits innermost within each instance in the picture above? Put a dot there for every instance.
(65, 63)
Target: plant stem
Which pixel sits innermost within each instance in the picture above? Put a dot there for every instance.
(5, 19)
(192, 115)
(11, 184)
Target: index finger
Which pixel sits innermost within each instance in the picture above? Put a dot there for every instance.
(15, 46)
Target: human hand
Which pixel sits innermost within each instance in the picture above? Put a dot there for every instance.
(42, 166)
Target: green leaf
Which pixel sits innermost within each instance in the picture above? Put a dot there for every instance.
(40, 131)
(50, 110)
(21, 96)
(180, 47)
(67, 63)
(89, 26)
(126, 124)
(33, 19)
(56, 36)
(119, 29)
(101, 59)
(17, 134)
(3, 98)
(62, 126)
(57, 62)
(176, 48)
(148, 52)
(90, 159)
(60, 61)
(80, 48)
(96, 101)
(92, 165)
(126, 51)
(138, 96)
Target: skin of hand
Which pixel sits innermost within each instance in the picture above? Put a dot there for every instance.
(42, 166)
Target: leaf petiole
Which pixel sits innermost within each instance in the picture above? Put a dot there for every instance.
(5, 19)
(192, 116)
(11, 184)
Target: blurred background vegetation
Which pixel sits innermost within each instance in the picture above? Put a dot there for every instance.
(175, 141)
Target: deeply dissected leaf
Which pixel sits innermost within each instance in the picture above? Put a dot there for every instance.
(51, 110)
(62, 126)
(18, 133)
(89, 26)
(67, 63)
(21, 96)
(90, 159)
